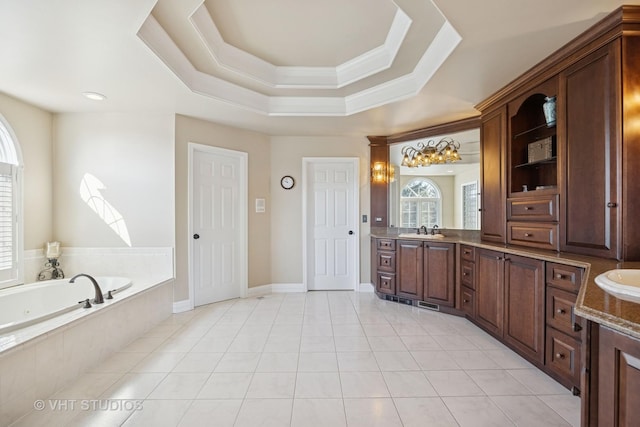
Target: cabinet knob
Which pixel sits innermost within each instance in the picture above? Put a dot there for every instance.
(528, 235)
(465, 301)
(560, 311)
(560, 356)
(612, 205)
(576, 327)
(559, 276)
(465, 274)
(527, 208)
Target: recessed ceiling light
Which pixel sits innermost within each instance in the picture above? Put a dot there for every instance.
(95, 96)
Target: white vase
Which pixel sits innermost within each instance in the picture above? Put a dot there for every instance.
(549, 108)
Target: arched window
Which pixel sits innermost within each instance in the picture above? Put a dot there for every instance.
(420, 202)
(10, 212)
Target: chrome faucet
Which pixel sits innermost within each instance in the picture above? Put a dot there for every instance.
(99, 299)
(433, 230)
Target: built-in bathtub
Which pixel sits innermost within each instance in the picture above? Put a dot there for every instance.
(26, 305)
(40, 357)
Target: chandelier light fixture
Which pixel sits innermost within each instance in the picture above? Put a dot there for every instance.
(431, 153)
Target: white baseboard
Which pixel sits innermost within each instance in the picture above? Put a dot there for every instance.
(258, 290)
(366, 287)
(288, 287)
(181, 306)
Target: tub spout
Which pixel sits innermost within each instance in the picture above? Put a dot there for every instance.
(99, 299)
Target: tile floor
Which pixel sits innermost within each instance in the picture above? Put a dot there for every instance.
(314, 359)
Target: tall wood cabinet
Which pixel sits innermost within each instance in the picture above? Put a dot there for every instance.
(590, 127)
(581, 195)
(492, 176)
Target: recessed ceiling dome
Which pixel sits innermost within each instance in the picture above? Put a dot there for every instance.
(305, 61)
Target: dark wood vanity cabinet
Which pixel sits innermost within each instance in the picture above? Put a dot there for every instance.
(383, 265)
(426, 271)
(524, 303)
(410, 265)
(438, 269)
(489, 293)
(509, 300)
(615, 380)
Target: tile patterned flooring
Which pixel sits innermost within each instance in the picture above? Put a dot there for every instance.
(314, 359)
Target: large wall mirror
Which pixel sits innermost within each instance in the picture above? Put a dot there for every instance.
(447, 195)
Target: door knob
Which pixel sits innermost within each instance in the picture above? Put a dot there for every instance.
(350, 232)
(196, 236)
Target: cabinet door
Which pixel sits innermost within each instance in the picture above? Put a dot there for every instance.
(618, 380)
(591, 113)
(409, 269)
(492, 176)
(439, 273)
(524, 301)
(490, 290)
(374, 263)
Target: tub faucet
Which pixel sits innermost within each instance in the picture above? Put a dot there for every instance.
(99, 299)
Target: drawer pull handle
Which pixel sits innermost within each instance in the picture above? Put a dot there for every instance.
(560, 356)
(560, 311)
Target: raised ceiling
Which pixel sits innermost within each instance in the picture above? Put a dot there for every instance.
(283, 67)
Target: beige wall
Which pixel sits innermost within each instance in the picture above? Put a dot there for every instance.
(132, 155)
(32, 128)
(286, 206)
(257, 146)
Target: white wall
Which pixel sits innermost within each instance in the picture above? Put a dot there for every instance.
(133, 156)
(286, 205)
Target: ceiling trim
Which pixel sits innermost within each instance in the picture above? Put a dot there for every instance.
(157, 39)
(292, 77)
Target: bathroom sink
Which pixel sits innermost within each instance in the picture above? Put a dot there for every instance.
(623, 283)
(422, 236)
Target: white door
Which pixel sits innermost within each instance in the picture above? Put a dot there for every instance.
(218, 224)
(331, 218)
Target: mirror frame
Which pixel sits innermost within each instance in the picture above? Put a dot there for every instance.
(379, 152)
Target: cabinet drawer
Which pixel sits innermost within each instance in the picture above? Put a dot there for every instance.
(560, 305)
(564, 276)
(467, 274)
(544, 236)
(386, 283)
(468, 301)
(563, 355)
(386, 245)
(386, 261)
(537, 209)
(468, 252)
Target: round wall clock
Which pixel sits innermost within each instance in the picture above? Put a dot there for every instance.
(287, 182)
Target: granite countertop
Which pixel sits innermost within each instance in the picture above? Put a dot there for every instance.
(592, 303)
